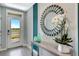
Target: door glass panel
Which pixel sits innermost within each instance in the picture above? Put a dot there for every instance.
(15, 29)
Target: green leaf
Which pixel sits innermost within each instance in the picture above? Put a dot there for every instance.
(64, 40)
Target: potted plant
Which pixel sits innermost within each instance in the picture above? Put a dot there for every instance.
(64, 42)
(64, 45)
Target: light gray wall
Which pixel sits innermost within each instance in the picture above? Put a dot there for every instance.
(72, 17)
(3, 27)
(28, 27)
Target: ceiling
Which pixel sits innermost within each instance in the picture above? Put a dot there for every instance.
(20, 6)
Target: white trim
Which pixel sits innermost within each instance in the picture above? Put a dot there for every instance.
(3, 49)
(17, 46)
(28, 46)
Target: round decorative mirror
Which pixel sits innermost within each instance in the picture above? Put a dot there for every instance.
(50, 23)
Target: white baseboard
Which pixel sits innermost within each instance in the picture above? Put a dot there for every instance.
(3, 49)
(26, 45)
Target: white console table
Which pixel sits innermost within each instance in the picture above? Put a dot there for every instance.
(53, 50)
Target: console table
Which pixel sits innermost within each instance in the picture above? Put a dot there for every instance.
(48, 47)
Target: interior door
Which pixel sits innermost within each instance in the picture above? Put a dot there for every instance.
(14, 30)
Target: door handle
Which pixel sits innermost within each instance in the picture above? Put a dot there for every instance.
(8, 32)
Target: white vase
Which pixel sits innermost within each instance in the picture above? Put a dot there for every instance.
(63, 48)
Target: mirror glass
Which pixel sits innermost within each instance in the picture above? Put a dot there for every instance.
(48, 20)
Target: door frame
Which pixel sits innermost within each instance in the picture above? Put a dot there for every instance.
(21, 25)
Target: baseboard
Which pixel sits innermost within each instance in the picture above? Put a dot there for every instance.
(3, 49)
(8, 48)
(26, 45)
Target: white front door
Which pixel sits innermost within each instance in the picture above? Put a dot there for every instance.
(14, 29)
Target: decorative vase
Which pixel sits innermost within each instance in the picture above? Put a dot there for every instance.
(63, 48)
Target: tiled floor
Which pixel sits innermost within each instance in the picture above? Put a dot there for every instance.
(18, 51)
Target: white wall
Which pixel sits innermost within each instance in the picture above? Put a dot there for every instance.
(72, 16)
(28, 33)
(4, 31)
(3, 28)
